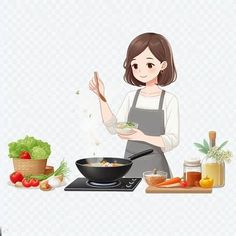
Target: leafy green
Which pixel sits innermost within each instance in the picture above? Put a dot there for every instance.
(222, 145)
(45, 146)
(203, 151)
(36, 148)
(38, 153)
(198, 145)
(206, 145)
(204, 148)
(124, 125)
(39, 177)
(130, 123)
(29, 142)
(15, 149)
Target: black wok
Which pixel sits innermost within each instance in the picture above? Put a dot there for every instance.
(107, 174)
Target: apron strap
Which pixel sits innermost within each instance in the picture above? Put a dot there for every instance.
(161, 99)
(136, 98)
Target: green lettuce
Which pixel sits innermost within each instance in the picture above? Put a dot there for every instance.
(38, 153)
(36, 148)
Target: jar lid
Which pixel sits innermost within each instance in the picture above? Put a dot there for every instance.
(192, 162)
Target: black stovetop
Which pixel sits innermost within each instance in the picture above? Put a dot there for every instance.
(123, 184)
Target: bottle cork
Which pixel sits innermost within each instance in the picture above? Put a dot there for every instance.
(212, 138)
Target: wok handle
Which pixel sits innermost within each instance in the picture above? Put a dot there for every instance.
(140, 154)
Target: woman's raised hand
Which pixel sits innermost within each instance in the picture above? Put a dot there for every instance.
(96, 85)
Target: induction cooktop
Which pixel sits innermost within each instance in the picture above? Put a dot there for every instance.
(123, 184)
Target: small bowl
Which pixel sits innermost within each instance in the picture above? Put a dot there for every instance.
(122, 129)
(154, 179)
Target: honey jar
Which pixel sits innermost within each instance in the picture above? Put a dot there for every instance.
(192, 172)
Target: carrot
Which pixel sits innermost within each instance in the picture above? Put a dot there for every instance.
(170, 181)
(170, 185)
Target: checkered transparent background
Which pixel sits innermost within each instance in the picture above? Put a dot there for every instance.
(49, 50)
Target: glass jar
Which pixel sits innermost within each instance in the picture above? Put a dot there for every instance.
(214, 170)
(192, 172)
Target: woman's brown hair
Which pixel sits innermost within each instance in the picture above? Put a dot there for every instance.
(160, 48)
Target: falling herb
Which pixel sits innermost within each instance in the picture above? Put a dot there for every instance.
(90, 115)
(97, 143)
(77, 92)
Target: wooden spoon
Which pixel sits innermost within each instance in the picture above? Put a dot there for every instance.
(96, 79)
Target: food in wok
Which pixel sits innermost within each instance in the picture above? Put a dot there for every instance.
(104, 163)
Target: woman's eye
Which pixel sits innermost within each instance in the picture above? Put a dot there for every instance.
(150, 65)
(135, 66)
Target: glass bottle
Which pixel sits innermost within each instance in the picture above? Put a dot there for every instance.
(192, 172)
(212, 168)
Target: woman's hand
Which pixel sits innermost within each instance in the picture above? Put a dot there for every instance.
(93, 86)
(137, 136)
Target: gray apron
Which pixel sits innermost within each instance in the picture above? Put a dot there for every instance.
(150, 122)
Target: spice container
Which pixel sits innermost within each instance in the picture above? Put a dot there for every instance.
(192, 172)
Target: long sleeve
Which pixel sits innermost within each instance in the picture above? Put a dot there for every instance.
(171, 136)
(122, 115)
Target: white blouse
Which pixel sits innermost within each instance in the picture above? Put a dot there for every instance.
(171, 115)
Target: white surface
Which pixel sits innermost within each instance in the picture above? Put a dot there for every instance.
(49, 50)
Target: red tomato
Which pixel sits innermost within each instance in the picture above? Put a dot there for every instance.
(34, 182)
(24, 155)
(16, 177)
(26, 183)
(183, 184)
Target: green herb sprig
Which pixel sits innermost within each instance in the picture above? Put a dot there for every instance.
(61, 170)
(214, 152)
(205, 147)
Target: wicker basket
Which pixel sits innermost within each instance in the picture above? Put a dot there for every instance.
(29, 166)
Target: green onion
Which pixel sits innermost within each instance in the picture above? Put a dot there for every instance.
(61, 170)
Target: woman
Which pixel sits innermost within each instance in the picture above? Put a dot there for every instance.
(149, 63)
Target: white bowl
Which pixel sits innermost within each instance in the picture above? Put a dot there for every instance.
(125, 129)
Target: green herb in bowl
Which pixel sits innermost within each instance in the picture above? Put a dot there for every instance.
(126, 127)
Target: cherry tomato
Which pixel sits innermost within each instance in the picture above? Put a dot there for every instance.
(26, 183)
(16, 177)
(183, 184)
(34, 182)
(24, 155)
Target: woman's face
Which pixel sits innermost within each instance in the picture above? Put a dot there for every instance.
(146, 66)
